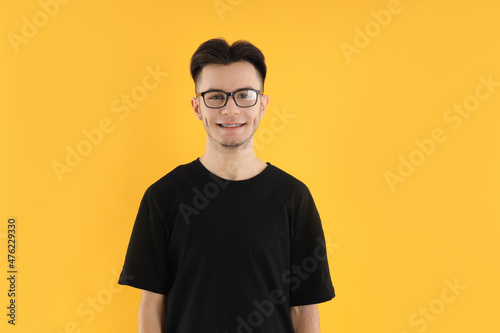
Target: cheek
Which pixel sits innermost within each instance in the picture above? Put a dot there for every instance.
(208, 121)
(258, 117)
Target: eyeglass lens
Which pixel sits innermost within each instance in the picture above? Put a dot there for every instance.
(242, 98)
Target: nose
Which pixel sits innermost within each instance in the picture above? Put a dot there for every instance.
(231, 107)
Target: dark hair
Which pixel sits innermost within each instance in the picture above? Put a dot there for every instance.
(218, 51)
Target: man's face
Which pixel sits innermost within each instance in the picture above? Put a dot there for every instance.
(230, 78)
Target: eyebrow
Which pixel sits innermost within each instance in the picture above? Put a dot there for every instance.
(218, 89)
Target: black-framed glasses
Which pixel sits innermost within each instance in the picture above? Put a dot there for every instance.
(243, 98)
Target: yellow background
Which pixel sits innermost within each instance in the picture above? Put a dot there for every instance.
(392, 249)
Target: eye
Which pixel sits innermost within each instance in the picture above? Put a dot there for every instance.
(246, 94)
(216, 96)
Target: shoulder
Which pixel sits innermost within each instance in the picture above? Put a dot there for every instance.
(288, 182)
(170, 182)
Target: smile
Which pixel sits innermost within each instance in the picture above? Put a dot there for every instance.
(230, 125)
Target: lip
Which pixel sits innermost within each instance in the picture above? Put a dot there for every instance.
(230, 128)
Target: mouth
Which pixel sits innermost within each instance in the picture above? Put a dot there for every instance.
(231, 125)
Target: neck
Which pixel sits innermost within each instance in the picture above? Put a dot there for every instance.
(233, 163)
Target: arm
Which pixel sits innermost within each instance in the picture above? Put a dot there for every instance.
(305, 318)
(152, 312)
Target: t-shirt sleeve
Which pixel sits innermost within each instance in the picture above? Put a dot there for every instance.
(146, 264)
(310, 281)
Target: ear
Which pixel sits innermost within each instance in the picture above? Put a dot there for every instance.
(196, 107)
(263, 105)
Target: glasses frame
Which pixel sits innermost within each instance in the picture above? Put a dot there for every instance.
(202, 94)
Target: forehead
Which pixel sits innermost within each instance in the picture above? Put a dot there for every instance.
(229, 77)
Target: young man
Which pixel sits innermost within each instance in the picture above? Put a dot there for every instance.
(228, 243)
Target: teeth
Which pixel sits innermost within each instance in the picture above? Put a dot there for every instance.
(231, 125)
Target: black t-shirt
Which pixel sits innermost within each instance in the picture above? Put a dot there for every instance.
(231, 256)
